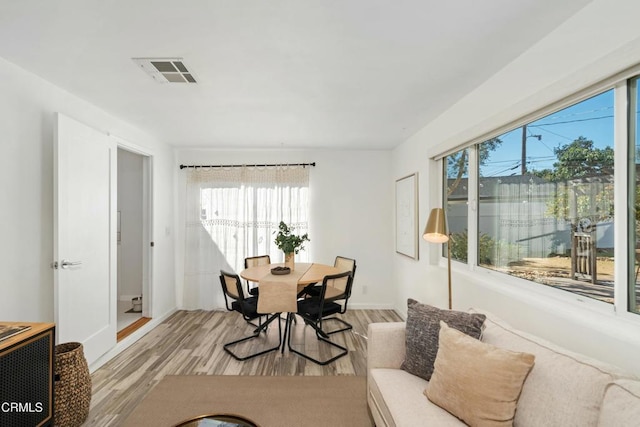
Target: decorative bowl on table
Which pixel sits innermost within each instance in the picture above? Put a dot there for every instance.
(280, 270)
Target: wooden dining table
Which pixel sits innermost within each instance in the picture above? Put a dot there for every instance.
(306, 273)
(313, 273)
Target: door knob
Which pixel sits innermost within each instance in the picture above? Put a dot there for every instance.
(65, 263)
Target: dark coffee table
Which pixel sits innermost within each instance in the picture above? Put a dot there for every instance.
(218, 420)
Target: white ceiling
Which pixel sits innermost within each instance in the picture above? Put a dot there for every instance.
(280, 73)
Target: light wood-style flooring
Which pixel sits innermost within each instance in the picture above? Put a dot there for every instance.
(191, 343)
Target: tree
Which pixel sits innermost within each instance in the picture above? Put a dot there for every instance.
(579, 159)
(457, 169)
(458, 164)
(582, 175)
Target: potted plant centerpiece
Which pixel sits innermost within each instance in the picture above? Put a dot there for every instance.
(289, 243)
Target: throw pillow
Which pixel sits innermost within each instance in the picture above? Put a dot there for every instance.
(423, 326)
(477, 382)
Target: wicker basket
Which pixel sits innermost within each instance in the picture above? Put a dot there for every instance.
(72, 386)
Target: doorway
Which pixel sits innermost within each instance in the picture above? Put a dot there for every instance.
(133, 242)
(85, 264)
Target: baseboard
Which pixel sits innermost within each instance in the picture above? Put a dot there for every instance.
(366, 306)
(128, 341)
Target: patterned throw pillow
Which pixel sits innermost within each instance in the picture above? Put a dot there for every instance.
(423, 327)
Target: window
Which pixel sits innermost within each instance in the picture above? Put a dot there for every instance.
(634, 197)
(545, 200)
(242, 207)
(231, 214)
(456, 200)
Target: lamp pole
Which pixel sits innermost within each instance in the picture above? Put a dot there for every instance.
(449, 267)
(436, 232)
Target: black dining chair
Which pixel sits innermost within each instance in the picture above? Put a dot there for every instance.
(252, 288)
(343, 291)
(346, 264)
(235, 300)
(248, 307)
(314, 309)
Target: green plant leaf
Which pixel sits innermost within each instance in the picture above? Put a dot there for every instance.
(288, 242)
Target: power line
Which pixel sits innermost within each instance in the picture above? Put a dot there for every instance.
(497, 173)
(557, 134)
(577, 113)
(532, 158)
(571, 121)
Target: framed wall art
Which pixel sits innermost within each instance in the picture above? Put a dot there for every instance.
(407, 216)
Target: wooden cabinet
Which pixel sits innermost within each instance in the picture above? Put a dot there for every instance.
(26, 376)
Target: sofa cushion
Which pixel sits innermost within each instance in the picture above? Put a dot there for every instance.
(563, 388)
(423, 327)
(477, 382)
(395, 398)
(621, 404)
(386, 344)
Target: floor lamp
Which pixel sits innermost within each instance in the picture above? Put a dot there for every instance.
(436, 232)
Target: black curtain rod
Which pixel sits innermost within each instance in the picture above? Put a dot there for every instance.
(251, 166)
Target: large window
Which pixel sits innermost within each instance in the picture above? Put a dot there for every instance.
(545, 199)
(233, 213)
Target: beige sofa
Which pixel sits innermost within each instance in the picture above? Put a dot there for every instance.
(563, 388)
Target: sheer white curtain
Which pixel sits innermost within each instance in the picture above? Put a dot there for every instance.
(232, 213)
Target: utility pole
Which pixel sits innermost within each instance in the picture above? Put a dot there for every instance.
(523, 164)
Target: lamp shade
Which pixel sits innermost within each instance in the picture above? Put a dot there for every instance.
(436, 229)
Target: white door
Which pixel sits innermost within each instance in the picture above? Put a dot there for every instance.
(84, 237)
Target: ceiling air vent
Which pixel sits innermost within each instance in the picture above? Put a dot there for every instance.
(166, 70)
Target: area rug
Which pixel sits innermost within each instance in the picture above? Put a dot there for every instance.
(268, 401)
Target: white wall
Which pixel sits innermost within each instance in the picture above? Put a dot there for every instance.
(130, 198)
(27, 106)
(599, 41)
(351, 211)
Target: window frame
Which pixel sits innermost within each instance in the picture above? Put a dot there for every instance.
(632, 175)
(445, 201)
(621, 85)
